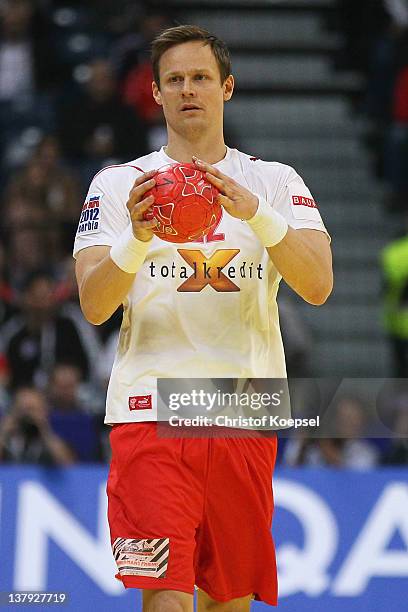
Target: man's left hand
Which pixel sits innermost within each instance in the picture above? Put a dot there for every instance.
(237, 201)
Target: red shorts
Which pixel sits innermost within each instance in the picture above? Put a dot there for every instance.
(186, 511)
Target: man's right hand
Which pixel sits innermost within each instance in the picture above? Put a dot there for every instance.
(103, 286)
(137, 204)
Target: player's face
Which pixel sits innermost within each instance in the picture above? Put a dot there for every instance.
(191, 91)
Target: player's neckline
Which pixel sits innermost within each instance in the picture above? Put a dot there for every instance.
(170, 160)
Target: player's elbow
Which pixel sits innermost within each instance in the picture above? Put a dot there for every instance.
(317, 300)
(320, 292)
(96, 320)
(93, 314)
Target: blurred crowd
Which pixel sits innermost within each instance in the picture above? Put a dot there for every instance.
(375, 44)
(375, 34)
(75, 82)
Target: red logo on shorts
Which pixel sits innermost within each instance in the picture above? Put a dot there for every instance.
(303, 201)
(140, 402)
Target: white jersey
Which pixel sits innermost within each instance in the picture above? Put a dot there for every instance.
(195, 310)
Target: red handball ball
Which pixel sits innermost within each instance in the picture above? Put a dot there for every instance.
(185, 204)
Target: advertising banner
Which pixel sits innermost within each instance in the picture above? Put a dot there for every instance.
(341, 539)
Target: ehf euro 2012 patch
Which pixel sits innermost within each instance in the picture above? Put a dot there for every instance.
(141, 557)
(90, 219)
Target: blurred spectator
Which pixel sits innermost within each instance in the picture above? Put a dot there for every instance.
(385, 57)
(137, 92)
(361, 23)
(30, 246)
(386, 53)
(398, 10)
(131, 56)
(16, 64)
(27, 60)
(401, 97)
(26, 435)
(398, 453)
(394, 260)
(48, 183)
(29, 74)
(21, 213)
(50, 187)
(43, 335)
(78, 429)
(133, 47)
(4, 383)
(64, 388)
(67, 293)
(32, 243)
(392, 411)
(349, 449)
(105, 128)
(7, 308)
(110, 16)
(396, 145)
(67, 286)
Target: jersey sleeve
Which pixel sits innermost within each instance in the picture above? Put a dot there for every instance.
(294, 201)
(104, 215)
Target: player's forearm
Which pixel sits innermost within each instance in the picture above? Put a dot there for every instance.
(103, 289)
(305, 264)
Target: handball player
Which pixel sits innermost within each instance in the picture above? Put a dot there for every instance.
(187, 512)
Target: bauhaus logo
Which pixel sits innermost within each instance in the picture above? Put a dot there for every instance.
(304, 201)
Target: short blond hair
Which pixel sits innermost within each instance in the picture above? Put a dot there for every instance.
(187, 33)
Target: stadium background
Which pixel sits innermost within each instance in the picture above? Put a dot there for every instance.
(321, 85)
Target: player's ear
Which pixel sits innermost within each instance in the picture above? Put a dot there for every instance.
(228, 87)
(156, 93)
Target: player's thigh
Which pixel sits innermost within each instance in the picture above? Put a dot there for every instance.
(206, 604)
(162, 600)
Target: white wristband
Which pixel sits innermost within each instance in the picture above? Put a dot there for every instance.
(269, 225)
(128, 252)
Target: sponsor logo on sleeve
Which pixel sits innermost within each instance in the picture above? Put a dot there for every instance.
(304, 201)
(142, 557)
(90, 220)
(140, 402)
